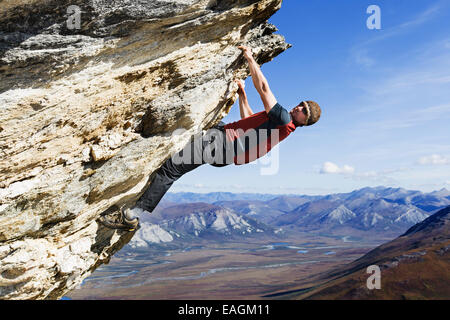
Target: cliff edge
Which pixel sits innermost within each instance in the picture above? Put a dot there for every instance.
(90, 94)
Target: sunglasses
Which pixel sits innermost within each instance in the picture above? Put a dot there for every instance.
(306, 110)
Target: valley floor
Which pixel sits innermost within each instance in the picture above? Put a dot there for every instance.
(209, 270)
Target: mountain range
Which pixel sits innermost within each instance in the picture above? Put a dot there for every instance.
(429, 202)
(380, 212)
(197, 221)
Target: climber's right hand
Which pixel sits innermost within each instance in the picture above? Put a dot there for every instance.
(247, 51)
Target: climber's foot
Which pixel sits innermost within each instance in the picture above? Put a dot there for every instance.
(124, 222)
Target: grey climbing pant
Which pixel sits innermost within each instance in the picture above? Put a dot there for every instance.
(200, 151)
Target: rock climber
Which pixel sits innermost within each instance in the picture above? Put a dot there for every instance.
(236, 143)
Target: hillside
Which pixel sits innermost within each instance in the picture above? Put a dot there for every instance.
(415, 265)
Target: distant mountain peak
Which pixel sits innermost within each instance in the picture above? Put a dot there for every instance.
(412, 215)
(340, 215)
(197, 220)
(441, 218)
(441, 193)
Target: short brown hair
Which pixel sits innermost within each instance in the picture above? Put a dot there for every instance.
(315, 113)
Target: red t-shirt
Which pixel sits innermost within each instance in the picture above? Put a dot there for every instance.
(254, 136)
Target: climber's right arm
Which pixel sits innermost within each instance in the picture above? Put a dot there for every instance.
(259, 80)
(244, 106)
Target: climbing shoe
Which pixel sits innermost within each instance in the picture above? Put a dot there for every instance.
(124, 221)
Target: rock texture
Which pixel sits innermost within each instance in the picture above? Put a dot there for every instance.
(88, 114)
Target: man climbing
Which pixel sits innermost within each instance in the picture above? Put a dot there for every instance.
(239, 142)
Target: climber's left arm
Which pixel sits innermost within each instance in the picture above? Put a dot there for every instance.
(244, 107)
(259, 80)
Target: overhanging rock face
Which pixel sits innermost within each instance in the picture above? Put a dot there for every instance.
(87, 114)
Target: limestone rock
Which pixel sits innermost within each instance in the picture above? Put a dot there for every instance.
(88, 113)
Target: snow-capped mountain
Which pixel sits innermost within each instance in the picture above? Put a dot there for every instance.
(412, 216)
(150, 233)
(441, 193)
(217, 221)
(261, 210)
(348, 214)
(339, 215)
(196, 221)
(376, 211)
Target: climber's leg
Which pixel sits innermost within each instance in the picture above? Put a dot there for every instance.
(163, 180)
(172, 170)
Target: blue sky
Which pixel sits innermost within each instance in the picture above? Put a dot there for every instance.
(385, 96)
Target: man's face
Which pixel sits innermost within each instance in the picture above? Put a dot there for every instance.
(298, 114)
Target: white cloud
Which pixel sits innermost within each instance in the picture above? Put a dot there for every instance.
(434, 159)
(331, 168)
